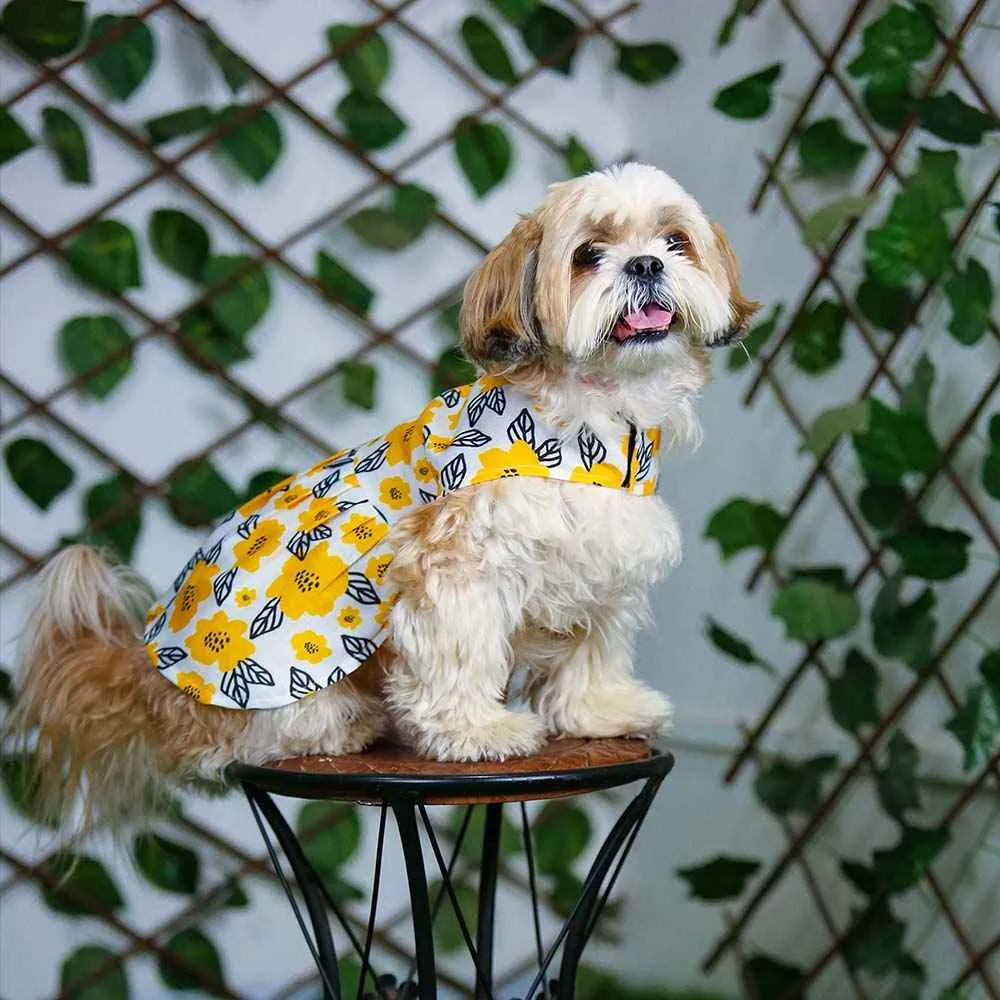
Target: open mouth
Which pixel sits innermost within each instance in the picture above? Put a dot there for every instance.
(644, 326)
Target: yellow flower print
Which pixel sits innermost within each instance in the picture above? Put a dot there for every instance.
(487, 382)
(600, 474)
(437, 444)
(196, 587)
(245, 596)
(395, 491)
(263, 540)
(317, 513)
(310, 585)
(363, 532)
(219, 641)
(310, 646)
(154, 612)
(402, 440)
(377, 567)
(654, 434)
(427, 414)
(151, 652)
(324, 462)
(517, 460)
(349, 618)
(382, 615)
(292, 497)
(352, 480)
(424, 471)
(648, 488)
(454, 420)
(194, 684)
(261, 500)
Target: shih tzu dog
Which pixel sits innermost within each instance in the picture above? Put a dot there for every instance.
(399, 585)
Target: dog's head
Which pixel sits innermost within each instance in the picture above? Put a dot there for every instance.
(618, 270)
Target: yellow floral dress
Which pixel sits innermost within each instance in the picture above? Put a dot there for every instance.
(288, 594)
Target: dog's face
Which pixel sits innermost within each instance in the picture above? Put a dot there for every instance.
(619, 270)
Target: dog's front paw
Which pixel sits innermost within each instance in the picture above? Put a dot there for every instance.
(624, 709)
(510, 734)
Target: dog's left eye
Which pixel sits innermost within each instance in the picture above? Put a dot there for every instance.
(586, 255)
(676, 241)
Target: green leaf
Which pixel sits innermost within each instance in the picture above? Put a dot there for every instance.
(448, 937)
(116, 503)
(852, 696)
(38, 472)
(894, 444)
(975, 725)
(515, 11)
(889, 307)
(768, 978)
(890, 104)
(451, 369)
(81, 967)
(85, 342)
(860, 876)
(407, 216)
(198, 495)
(168, 865)
(551, 37)
(826, 150)
(207, 342)
(750, 96)
(970, 295)
(14, 140)
(6, 688)
(852, 418)
(264, 480)
(448, 319)
(369, 121)
(487, 50)
(106, 256)
(825, 222)
(254, 146)
(238, 307)
(648, 63)
(754, 340)
(63, 135)
(18, 774)
(732, 645)
(196, 963)
(989, 669)
(44, 29)
(484, 154)
(902, 866)
(743, 524)
(359, 383)
(934, 183)
(891, 44)
(330, 833)
(236, 897)
(911, 239)
(365, 62)
(904, 631)
(179, 241)
(931, 552)
(897, 784)
(122, 65)
(234, 69)
(342, 285)
(813, 610)
(991, 463)
(184, 121)
(727, 30)
(472, 845)
(787, 786)
(83, 885)
(916, 394)
(560, 833)
(875, 943)
(578, 159)
(948, 117)
(721, 878)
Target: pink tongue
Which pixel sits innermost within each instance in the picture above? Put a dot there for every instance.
(649, 317)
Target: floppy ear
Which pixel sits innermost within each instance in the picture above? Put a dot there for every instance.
(497, 320)
(741, 308)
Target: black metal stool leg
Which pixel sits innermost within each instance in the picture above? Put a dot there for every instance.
(487, 899)
(323, 951)
(416, 877)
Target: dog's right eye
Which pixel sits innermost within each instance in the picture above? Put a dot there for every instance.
(586, 255)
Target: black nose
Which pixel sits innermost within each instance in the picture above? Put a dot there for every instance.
(644, 267)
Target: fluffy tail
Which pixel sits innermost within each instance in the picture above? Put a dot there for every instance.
(84, 692)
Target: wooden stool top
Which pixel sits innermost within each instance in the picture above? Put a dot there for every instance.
(561, 767)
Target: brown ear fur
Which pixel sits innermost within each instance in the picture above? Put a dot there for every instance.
(497, 318)
(743, 309)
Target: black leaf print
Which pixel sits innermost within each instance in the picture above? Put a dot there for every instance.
(427, 497)
(320, 532)
(592, 449)
(360, 589)
(453, 473)
(188, 566)
(522, 428)
(228, 517)
(323, 486)
(223, 585)
(476, 407)
(345, 505)
(234, 686)
(425, 432)
(268, 619)
(358, 647)
(302, 684)
(245, 530)
(549, 452)
(214, 552)
(470, 438)
(451, 397)
(337, 674)
(375, 460)
(644, 459)
(496, 400)
(169, 655)
(156, 628)
(299, 544)
(254, 673)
